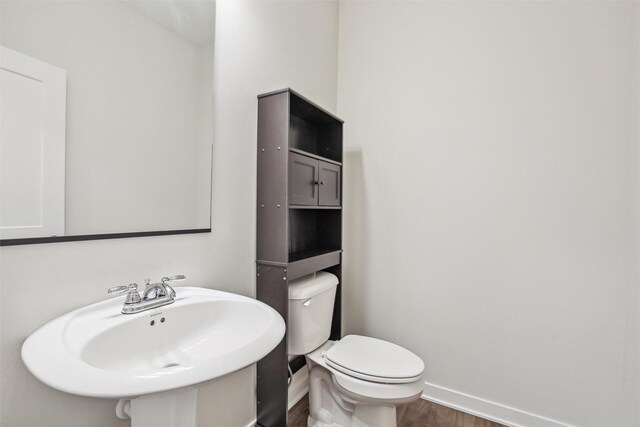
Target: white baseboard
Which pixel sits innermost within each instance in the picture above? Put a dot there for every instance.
(299, 386)
(486, 409)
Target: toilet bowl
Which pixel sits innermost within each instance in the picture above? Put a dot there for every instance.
(354, 382)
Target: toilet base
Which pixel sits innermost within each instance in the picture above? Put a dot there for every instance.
(329, 407)
(363, 416)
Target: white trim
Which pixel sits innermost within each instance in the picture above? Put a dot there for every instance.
(299, 387)
(486, 409)
(252, 423)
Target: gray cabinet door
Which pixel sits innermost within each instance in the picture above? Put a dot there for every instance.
(303, 177)
(329, 177)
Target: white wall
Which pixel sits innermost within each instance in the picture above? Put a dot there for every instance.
(631, 388)
(260, 46)
(136, 113)
(491, 199)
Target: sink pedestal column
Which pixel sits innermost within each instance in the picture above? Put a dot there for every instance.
(174, 408)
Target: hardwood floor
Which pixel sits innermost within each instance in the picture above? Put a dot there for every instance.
(298, 414)
(420, 413)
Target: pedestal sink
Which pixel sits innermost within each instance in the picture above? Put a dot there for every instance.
(153, 360)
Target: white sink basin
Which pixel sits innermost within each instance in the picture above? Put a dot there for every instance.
(97, 351)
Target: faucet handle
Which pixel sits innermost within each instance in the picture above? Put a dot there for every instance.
(122, 289)
(132, 296)
(177, 278)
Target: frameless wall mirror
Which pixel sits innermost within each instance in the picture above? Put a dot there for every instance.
(105, 117)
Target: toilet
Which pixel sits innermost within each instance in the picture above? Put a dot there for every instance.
(354, 382)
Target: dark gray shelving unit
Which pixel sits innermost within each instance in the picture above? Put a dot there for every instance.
(299, 220)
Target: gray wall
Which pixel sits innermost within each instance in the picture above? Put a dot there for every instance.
(259, 47)
(491, 199)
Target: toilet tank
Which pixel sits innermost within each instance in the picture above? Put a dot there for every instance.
(311, 300)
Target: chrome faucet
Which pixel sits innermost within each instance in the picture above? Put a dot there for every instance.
(154, 294)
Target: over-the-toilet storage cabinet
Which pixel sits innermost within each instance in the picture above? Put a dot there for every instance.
(299, 220)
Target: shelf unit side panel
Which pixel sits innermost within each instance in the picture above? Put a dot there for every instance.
(272, 398)
(272, 178)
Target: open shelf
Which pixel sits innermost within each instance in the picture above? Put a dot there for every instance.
(314, 230)
(314, 131)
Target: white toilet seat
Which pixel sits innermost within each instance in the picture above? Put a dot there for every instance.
(374, 360)
(368, 391)
(370, 378)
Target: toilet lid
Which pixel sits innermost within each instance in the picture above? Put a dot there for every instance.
(374, 360)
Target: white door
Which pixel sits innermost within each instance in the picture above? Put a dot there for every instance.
(32, 143)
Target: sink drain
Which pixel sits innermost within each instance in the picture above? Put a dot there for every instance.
(171, 365)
